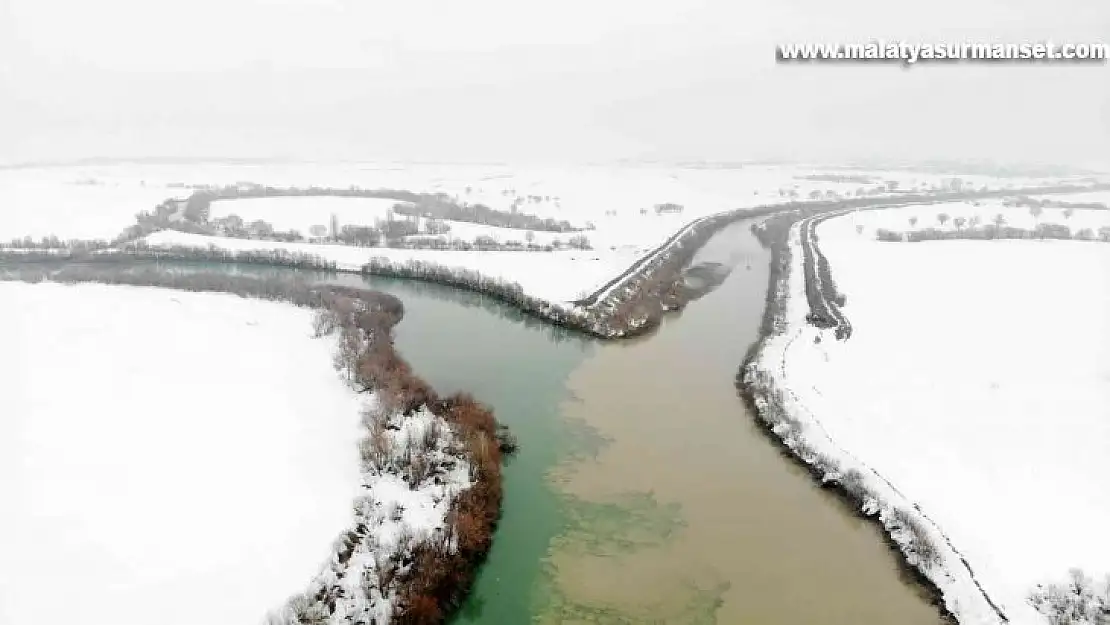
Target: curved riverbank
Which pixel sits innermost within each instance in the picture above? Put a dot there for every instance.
(423, 579)
(925, 552)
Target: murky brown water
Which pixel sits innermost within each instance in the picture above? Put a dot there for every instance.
(688, 513)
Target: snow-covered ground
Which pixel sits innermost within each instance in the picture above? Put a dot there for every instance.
(301, 213)
(67, 204)
(186, 458)
(559, 276)
(397, 515)
(51, 203)
(974, 385)
(618, 201)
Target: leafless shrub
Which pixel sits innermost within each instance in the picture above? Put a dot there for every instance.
(1075, 602)
(307, 610)
(418, 470)
(431, 435)
(376, 451)
(506, 440)
(374, 418)
(395, 512)
(920, 542)
(406, 539)
(363, 506)
(324, 322)
(853, 483)
(481, 451)
(385, 569)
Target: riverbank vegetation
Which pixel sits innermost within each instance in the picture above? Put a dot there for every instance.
(1080, 600)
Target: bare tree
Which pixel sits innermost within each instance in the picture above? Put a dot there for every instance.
(1036, 211)
(999, 221)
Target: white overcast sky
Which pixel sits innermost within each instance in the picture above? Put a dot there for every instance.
(523, 80)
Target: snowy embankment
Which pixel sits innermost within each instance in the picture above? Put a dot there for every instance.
(556, 277)
(137, 476)
(968, 408)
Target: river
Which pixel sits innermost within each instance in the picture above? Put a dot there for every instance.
(643, 492)
(688, 513)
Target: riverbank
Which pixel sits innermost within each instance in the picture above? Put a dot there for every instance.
(758, 385)
(431, 465)
(763, 384)
(951, 467)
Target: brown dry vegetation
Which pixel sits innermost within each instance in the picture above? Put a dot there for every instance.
(441, 572)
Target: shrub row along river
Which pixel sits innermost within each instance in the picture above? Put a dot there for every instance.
(643, 491)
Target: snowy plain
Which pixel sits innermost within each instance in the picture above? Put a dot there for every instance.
(976, 384)
(69, 204)
(193, 457)
(161, 445)
(98, 201)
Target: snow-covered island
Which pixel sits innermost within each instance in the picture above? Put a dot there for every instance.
(956, 391)
(204, 466)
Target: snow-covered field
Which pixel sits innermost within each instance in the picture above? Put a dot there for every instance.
(975, 385)
(301, 213)
(619, 202)
(559, 276)
(64, 203)
(50, 202)
(170, 457)
(181, 458)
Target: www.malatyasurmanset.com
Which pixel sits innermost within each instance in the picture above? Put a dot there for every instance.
(910, 53)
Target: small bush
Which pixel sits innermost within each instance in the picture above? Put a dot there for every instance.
(506, 440)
